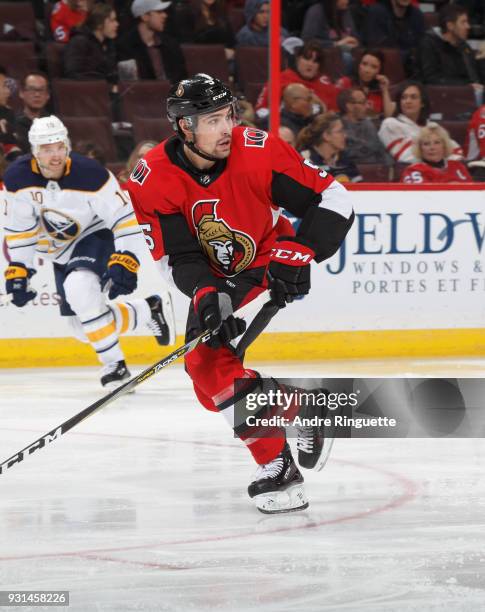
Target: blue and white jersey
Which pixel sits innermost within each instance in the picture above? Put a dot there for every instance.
(52, 216)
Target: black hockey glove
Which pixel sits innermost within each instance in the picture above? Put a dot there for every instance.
(17, 277)
(122, 273)
(214, 311)
(289, 270)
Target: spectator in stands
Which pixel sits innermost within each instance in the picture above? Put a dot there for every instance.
(396, 24)
(256, 31)
(209, 25)
(287, 135)
(399, 133)
(475, 10)
(66, 15)
(368, 76)
(8, 142)
(157, 55)
(91, 52)
(35, 95)
(331, 22)
(432, 149)
(138, 152)
(322, 142)
(362, 140)
(475, 141)
(446, 58)
(297, 110)
(309, 71)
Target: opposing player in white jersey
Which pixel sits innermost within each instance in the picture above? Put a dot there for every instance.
(74, 212)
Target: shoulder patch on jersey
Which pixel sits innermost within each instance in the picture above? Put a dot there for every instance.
(254, 137)
(140, 172)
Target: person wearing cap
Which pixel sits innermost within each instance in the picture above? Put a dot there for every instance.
(157, 55)
(256, 31)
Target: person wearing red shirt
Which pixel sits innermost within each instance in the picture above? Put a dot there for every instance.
(308, 71)
(66, 15)
(433, 148)
(475, 141)
(208, 201)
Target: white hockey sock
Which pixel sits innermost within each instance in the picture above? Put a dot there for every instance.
(130, 315)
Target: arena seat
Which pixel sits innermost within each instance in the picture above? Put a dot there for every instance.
(18, 58)
(252, 91)
(150, 128)
(457, 130)
(252, 64)
(143, 98)
(19, 15)
(203, 58)
(376, 173)
(236, 18)
(452, 101)
(81, 98)
(95, 129)
(53, 53)
(333, 64)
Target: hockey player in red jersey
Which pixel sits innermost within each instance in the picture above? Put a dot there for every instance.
(208, 200)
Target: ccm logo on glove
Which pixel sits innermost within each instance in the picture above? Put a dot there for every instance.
(292, 254)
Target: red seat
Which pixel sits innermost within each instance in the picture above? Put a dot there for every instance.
(252, 64)
(18, 58)
(95, 129)
(207, 58)
(451, 101)
(376, 173)
(82, 98)
(149, 128)
(19, 16)
(54, 52)
(457, 130)
(143, 98)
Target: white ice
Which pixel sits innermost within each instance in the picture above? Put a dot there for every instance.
(144, 506)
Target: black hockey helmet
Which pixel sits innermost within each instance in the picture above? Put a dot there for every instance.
(197, 95)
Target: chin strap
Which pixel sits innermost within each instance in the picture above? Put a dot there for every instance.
(194, 149)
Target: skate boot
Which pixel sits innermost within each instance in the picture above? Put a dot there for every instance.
(314, 441)
(113, 374)
(278, 485)
(162, 323)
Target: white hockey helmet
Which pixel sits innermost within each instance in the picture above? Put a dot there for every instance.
(47, 130)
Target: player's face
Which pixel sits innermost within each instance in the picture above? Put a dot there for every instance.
(52, 159)
(308, 67)
(369, 68)
(110, 26)
(432, 148)
(411, 102)
(214, 132)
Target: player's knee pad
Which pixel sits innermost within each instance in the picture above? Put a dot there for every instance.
(83, 293)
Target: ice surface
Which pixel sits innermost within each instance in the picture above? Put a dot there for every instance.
(144, 507)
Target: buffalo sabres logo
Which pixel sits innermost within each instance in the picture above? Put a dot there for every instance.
(228, 250)
(140, 172)
(59, 226)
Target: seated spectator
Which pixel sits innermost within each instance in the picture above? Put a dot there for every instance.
(368, 76)
(8, 142)
(399, 133)
(91, 52)
(322, 142)
(66, 15)
(287, 135)
(308, 71)
(363, 144)
(256, 31)
(432, 150)
(297, 110)
(35, 95)
(331, 22)
(209, 25)
(475, 140)
(396, 24)
(446, 58)
(138, 152)
(157, 55)
(89, 149)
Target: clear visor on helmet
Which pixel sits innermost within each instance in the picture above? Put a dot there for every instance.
(219, 121)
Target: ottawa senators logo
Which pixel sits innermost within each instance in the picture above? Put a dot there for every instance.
(228, 250)
(140, 172)
(254, 137)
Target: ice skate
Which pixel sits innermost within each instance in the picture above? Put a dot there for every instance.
(278, 485)
(162, 323)
(114, 374)
(314, 442)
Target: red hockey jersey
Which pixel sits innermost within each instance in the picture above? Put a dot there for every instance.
(228, 214)
(63, 19)
(475, 140)
(452, 172)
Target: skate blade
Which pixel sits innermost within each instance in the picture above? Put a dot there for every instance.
(322, 460)
(276, 502)
(169, 315)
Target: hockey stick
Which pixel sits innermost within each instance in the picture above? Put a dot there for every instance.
(57, 432)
